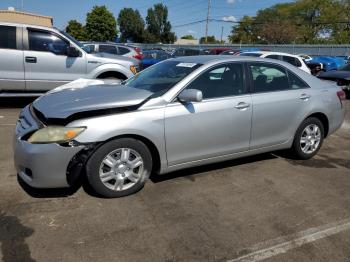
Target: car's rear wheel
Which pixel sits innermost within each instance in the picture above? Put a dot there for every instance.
(308, 138)
(119, 167)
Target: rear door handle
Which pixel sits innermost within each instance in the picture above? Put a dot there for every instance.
(31, 59)
(242, 105)
(304, 97)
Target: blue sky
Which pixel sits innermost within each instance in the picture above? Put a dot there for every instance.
(180, 11)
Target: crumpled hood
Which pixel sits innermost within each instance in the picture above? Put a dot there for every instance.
(66, 102)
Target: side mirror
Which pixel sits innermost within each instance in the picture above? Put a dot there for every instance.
(190, 95)
(72, 51)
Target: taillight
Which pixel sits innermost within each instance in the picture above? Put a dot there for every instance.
(341, 95)
(138, 53)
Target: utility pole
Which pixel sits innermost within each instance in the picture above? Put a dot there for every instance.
(222, 32)
(206, 26)
(22, 5)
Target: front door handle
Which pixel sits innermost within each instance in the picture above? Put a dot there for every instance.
(31, 59)
(304, 97)
(242, 105)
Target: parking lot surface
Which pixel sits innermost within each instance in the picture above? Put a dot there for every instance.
(263, 207)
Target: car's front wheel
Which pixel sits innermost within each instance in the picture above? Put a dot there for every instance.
(119, 168)
(308, 138)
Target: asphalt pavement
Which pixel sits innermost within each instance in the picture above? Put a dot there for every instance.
(267, 207)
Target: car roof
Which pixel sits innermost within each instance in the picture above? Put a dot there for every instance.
(269, 53)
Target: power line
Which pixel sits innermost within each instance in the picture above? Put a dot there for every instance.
(206, 26)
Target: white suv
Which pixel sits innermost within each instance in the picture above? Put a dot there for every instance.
(289, 58)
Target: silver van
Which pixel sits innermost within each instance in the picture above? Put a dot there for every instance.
(35, 59)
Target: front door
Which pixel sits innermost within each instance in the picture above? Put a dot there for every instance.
(219, 125)
(46, 62)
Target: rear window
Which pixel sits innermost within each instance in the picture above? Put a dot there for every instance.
(8, 37)
(123, 50)
(251, 54)
(110, 49)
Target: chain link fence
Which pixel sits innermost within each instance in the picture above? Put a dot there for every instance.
(315, 50)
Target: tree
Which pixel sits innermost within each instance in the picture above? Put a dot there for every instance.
(188, 37)
(245, 31)
(158, 27)
(101, 24)
(131, 25)
(210, 40)
(76, 29)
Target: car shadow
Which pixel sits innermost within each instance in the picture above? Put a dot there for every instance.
(15, 102)
(193, 171)
(49, 192)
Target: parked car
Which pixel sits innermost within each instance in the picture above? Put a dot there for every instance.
(216, 51)
(179, 113)
(241, 50)
(328, 63)
(151, 57)
(289, 58)
(340, 76)
(35, 59)
(187, 52)
(115, 49)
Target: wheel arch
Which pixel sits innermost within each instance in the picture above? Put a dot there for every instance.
(324, 120)
(151, 146)
(108, 74)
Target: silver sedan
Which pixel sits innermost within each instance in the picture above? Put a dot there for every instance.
(180, 113)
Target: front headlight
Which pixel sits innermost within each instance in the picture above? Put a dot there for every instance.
(52, 134)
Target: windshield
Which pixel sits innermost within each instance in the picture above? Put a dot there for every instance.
(75, 41)
(161, 77)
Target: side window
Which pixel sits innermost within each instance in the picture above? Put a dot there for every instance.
(276, 57)
(46, 42)
(123, 50)
(268, 77)
(91, 48)
(295, 81)
(111, 49)
(8, 37)
(291, 60)
(220, 81)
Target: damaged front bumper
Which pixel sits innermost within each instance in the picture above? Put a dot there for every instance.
(41, 165)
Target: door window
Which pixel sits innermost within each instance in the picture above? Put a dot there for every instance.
(220, 81)
(277, 57)
(46, 42)
(292, 60)
(110, 49)
(8, 37)
(295, 81)
(268, 77)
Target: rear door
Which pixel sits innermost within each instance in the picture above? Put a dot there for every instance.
(46, 62)
(280, 101)
(219, 125)
(11, 58)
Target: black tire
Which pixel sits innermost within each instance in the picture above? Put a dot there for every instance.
(95, 161)
(296, 149)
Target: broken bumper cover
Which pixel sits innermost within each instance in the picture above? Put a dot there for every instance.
(40, 165)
